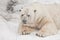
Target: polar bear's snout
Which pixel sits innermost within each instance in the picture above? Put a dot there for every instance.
(24, 21)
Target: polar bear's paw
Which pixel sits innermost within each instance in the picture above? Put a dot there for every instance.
(25, 33)
(39, 35)
(42, 34)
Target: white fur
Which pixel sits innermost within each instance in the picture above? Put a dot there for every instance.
(49, 28)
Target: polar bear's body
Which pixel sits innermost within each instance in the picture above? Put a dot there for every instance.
(38, 17)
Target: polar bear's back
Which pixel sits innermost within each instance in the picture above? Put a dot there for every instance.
(52, 9)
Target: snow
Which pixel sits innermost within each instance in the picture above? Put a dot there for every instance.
(41, 1)
(5, 33)
(28, 37)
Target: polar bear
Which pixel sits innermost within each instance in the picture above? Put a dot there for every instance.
(34, 17)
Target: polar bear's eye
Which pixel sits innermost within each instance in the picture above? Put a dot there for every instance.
(35, 10)
(22, 15)
(28, 15)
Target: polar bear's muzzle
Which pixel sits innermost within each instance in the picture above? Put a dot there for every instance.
(24, 21)
(25, 18)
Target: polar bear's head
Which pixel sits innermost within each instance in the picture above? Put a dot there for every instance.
(27, 15)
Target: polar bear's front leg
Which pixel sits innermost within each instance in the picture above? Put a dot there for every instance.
(27, 29)
(48, 28)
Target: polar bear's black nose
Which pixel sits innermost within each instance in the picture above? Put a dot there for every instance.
(24, 21)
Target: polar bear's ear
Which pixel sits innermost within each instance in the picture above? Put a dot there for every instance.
(20, 9)
(35, 11)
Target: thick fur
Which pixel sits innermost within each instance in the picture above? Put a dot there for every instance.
(39, 19)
